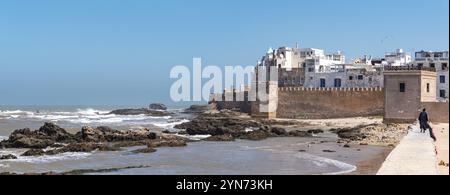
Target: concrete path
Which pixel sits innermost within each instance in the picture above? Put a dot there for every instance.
(415, 155)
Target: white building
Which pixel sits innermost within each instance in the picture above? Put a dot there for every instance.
(347, 75)
(439, 61)
(398, 58)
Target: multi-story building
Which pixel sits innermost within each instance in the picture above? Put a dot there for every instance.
(398, 58)
(438, 61)
(347, 76)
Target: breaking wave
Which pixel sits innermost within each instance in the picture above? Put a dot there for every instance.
(170, 124)
(48, 159)
(324, 162)
(88, 116)
(3, 138)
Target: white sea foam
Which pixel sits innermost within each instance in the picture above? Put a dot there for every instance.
(3, 138)
(9, 113)
(323, 162)
(52, 158)
(91, 111)
(170, 124)
(194, 137)
(85, 116)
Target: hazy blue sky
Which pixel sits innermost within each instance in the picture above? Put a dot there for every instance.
(120, 52)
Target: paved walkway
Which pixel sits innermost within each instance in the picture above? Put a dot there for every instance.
(415, 155)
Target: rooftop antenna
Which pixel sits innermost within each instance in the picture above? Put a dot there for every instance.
(296, 45)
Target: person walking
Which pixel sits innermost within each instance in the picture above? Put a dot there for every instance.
(423, 120)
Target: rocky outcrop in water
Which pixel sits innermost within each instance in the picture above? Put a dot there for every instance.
(141, 111)
(47, 135)
(220, 138)
(198, 109)
(222, 125)
(157, 106)
(7, 157)
(51, 139)
(106, 134)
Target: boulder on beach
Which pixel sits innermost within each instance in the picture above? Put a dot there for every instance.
(157, 106)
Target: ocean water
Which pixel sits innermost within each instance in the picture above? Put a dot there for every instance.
(12, 118)
(271, 156)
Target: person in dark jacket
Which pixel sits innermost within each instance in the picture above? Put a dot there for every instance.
(423, 120)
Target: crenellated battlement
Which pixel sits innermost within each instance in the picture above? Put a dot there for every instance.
(323, 89)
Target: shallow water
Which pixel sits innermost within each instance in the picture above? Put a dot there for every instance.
(271, 156)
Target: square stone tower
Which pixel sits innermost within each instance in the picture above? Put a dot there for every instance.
(406, 90)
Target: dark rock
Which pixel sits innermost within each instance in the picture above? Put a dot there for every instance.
(30, 142)
(144, 150)
(167, 143)
(124, 144)
(315, 131)
(86, 147)
(157, 106)
(8, 157)
(141, 111)
(55, 132)
(221, 138)
(279, 131)
(218, 124)
(328, 151)
(353, 134)
(46, 136)
(34, 152)
(255, 135)
(346, 146)
(197, 109)
(106, 134)
(182, 132)
(302, 150)
(299, 133)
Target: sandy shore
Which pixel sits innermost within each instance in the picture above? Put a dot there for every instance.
(366, 164)
(441, 131)
(326, 124)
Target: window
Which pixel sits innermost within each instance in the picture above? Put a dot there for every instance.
(337, 83)
(432, 65)
(420, 65)
(442, 79)
(444, 66)
(442, 94)
(322, 83)
(321, 69)
(360, 77)
(350, 78)
(370, 79)
(310, 69)
(402, 87)
(428, 87)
